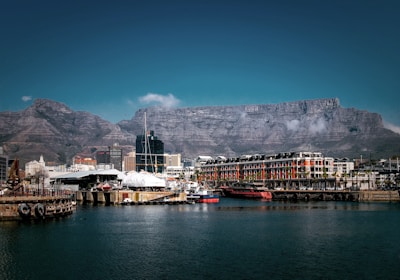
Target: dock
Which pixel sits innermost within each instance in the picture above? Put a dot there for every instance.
(28, 207)
(335, 195)
(115, 197)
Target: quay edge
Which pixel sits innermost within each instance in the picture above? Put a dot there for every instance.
(137, 197)
(144, 197)
(360, 196)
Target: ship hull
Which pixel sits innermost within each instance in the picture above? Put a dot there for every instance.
(246, 193)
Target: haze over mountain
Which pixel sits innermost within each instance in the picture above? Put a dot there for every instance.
(52, 129)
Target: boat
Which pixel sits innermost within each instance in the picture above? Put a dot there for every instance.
(203, 196)
(127, 201)
(246, 191)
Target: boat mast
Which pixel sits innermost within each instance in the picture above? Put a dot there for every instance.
(147, 148)
(145, 142)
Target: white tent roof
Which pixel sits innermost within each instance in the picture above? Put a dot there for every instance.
(142, 179)
(81, 174)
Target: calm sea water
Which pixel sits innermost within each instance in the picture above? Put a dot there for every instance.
(235, 239)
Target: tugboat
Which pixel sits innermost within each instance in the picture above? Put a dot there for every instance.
(246, 191)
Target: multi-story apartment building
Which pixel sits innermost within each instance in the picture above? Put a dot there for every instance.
(342, 167)
(288, 170)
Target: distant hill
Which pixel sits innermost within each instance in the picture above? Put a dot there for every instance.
(53, 130)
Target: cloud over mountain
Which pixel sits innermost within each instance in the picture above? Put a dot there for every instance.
(165, 101)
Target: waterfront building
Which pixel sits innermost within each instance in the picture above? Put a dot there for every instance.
(201, 160)
(149, 153)
(283, 170)
(172, 160)
(176, 172)
(103, 157)
(363, 180)
(81, 167)
(111, 158)
(342, 166)
(180, 172)
(115, 152)
(36, 168)
(129, 163)
(84, 160)
(343, 169)
(89, 179)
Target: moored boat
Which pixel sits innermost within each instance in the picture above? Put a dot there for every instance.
(203, 196)
(246, 191)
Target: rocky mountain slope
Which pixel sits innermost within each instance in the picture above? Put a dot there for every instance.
(317, 125)
(53, 130)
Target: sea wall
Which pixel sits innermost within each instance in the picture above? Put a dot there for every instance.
(379, 196)
(320, 195)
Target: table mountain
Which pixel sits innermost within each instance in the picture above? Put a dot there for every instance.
(316, 125)
(53, 130)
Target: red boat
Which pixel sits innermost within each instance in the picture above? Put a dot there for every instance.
(246, 191)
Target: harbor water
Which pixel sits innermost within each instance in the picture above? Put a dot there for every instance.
(234, 239)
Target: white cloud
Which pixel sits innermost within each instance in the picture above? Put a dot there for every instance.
(26, 98)
(166, 101)
(317, 126)
(292, 125)
(392, 127)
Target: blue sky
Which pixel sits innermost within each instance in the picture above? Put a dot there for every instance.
(111, 58)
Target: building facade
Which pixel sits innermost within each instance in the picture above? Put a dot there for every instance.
(103, 157)
(3, 169)
(115, 152)
(172, 160)
(283, 170)
(129, 162)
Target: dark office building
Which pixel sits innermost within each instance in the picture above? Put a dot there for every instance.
(103, 157)
(149, 153)
(115, 153)
(3, 169)
(112, 156)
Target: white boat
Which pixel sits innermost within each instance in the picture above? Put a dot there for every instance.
(127, 201)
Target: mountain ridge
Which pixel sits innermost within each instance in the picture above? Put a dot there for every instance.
(52, 129)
